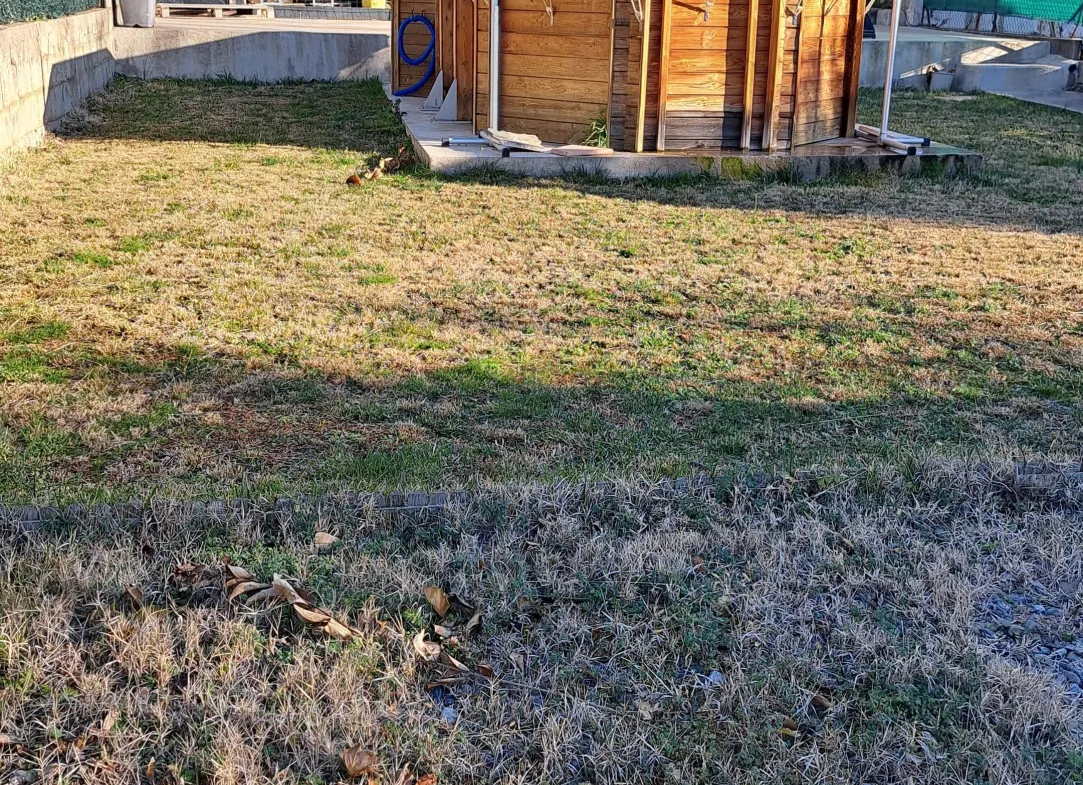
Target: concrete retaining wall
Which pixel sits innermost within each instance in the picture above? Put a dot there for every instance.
(920, 49)
(254, 51)
(46, 69)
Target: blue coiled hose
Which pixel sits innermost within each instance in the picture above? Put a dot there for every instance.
(429, 50)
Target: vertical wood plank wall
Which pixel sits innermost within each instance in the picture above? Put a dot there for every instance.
(705, 88)
(820, 71)
(464, 57)
(588, 64)
(705, 84)
(554, 79)
(618, 91)
(417, 38)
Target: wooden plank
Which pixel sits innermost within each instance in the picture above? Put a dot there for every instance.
(853, 77)
(802, 42)
(722, 16)
(557, 133)
(750, 73)
(395, 21)
(554, 68)
(445, 40)
(644, 57)
(560, 7)
(584, 47)
(579, 112)
(537, 23)
(464, 58)
(774, 73)
(663, 73)
(618, 86)
(474, 70)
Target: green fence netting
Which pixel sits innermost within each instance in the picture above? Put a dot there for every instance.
(24, 10)
(1042, 10)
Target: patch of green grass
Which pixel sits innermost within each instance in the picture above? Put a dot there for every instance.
(38, 333)
(133, 245)
(24, 365)
(93, 259)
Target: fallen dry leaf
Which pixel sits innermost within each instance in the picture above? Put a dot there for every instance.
(518, 662)
(5, 739)
(426, 779)
(427, 650)
(359, 762)
(109, 720)
(442, 631)
(438, 599)
(447, 659)
(338, 630)
(325, 541)
(311, 615)
(244, 587)
(239, 573)
(353, 179)
(486, 670)
(135, 594)
(473, 627)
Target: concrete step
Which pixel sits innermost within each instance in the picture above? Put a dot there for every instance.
(1048, 73)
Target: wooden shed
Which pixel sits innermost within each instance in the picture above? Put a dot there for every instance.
(656, 75)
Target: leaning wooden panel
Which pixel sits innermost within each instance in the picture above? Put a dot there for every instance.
(464, 58)
(774, 74)
(750, 74)
(853, 77)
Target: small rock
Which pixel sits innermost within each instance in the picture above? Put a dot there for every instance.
(1060, 652)
(1031, 625)
(1072, 677)
(449, 715)
(716, 679)
(1015, 631)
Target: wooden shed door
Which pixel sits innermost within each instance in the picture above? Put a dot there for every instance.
(824, 45)
(703, 62)
(554, 71)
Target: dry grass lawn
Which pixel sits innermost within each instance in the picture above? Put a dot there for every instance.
(194, 304)
(817, 631)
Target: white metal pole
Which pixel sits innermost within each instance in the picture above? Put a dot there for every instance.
(494, 65)
(889, 77)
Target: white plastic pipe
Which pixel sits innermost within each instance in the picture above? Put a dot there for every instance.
(494, 65)
(896, 12)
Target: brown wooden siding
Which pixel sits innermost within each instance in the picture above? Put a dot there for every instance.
(554, 79)
(819, 69)
(618, 91)
(557, 79)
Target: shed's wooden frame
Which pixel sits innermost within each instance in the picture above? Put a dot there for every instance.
(686, 76)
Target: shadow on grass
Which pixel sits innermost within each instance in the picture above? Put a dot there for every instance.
(209, 425)
(1031, 178)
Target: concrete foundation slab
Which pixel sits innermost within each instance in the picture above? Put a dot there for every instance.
(807, 163)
